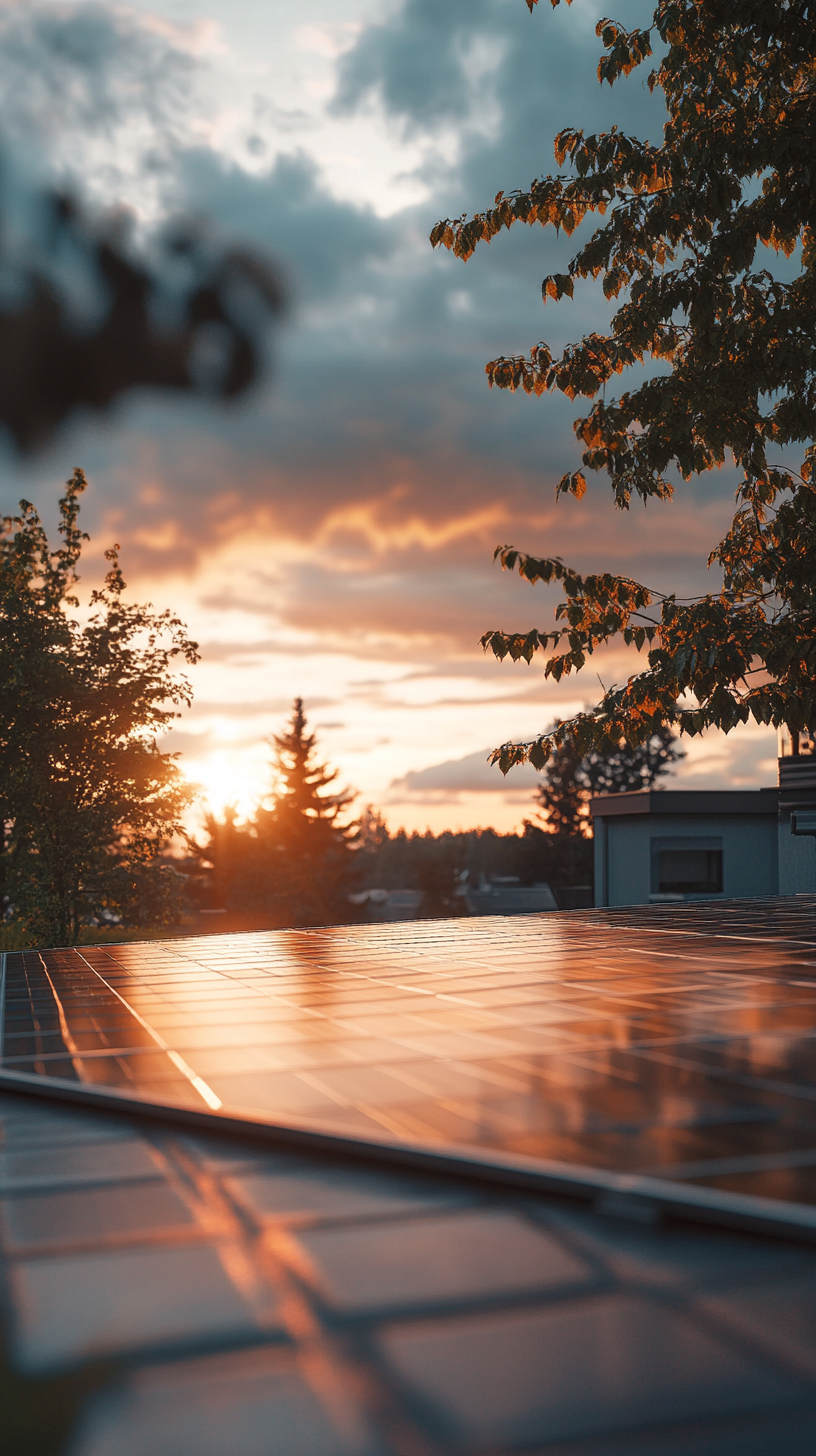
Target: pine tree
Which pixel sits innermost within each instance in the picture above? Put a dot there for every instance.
(303, 836)
(292, 862)
(304, 819)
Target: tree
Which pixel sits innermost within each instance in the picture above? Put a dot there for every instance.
(440, 865)
(685, 247)
(618, 768)
(87, 800)
(188, 317)
(227, 848)
(570, 781)
(561, 797)
(149, 895)
(291, 863)
(304, 818)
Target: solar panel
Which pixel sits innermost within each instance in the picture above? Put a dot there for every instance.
(636, 1051)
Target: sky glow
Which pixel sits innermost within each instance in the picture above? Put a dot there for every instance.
(332, 537)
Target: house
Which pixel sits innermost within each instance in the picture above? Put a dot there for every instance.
(383, 905)
(499, 895)
(505, 895)
(688, 844)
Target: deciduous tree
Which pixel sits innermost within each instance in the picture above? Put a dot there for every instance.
(569, 781)
(691, 227)
(87, 799)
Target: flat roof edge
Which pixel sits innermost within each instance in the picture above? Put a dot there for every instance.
(687, 801)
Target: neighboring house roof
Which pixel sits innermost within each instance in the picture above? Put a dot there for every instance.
(389, 904)
(510, 900)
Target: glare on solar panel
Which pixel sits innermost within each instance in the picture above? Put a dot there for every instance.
(664, 1045)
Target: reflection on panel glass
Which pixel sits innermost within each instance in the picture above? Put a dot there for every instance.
(678, 1042)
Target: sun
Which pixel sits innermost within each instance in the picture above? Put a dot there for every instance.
(229, 776)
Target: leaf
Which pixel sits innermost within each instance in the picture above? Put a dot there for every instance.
(572, 484)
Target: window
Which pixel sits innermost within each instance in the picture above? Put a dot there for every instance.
(687, 867)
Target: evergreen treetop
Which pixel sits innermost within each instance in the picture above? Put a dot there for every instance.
(291, 863)
(304, 816)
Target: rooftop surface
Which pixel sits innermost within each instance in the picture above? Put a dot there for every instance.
(176, 1288)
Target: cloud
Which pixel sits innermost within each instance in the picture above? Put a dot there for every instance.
(745, 758)
(328, 243)
(415, 64)
(428, 64)
(348, 511)
(378, 441)
(97, 96)
(471, 774)
(256, 707)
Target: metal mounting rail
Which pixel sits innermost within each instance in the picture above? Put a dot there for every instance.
(629, 1196)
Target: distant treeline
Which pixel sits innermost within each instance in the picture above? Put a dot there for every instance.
(439, 864)
(241, 874)
(305, 861)
(303, 858)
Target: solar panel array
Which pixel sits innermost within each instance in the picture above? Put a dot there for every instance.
(676, 1042)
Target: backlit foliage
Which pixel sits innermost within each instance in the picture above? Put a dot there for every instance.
(87, 799)
(683, 247)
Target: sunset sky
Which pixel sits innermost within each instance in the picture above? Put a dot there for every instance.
(332, 536)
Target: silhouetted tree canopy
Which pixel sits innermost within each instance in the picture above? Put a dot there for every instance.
(618, 768)
(441, 865)
(684, 248)
(87, 800)
(186, 315)
(569, 780)
(561, 798)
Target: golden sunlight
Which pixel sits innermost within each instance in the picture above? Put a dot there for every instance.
(228, 776)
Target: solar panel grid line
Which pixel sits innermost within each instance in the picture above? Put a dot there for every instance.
(201, 1087)
(787, 1089)
(65, 1030)
(41, 1004)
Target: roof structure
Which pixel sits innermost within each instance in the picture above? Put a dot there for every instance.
(542, 1184)
(686, 801)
